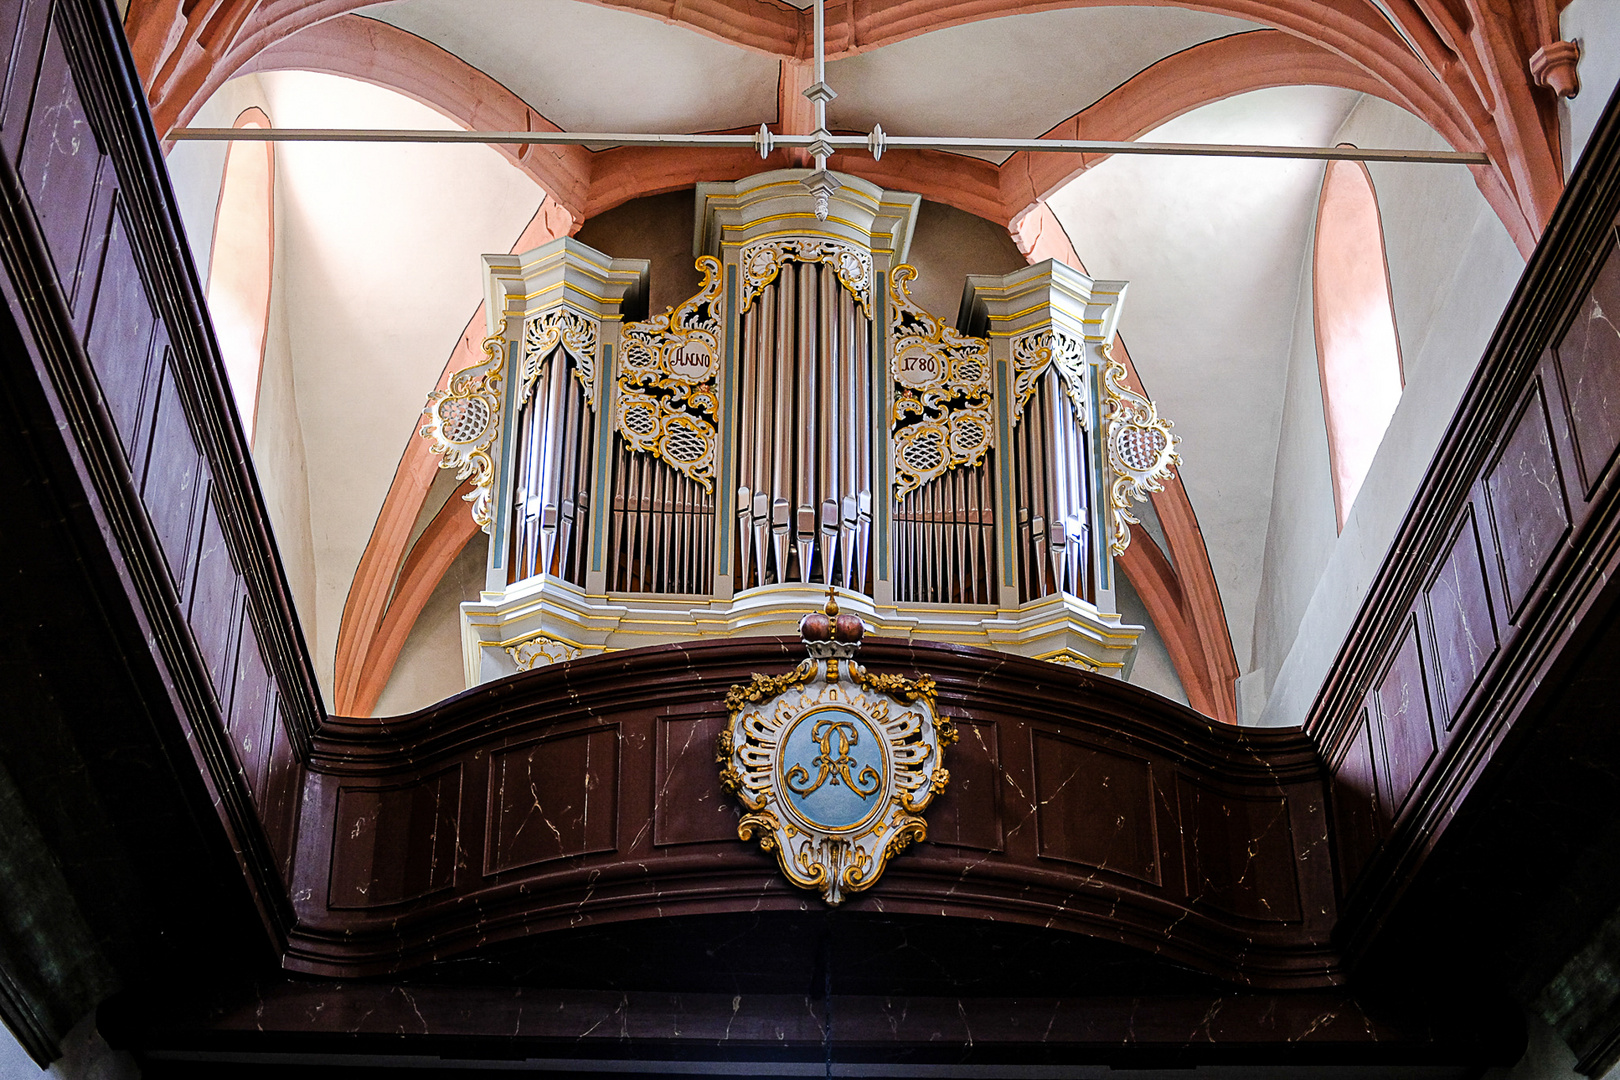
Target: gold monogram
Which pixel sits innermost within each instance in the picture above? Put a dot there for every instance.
(834, 766)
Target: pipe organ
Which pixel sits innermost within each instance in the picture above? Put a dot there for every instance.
(798, 423)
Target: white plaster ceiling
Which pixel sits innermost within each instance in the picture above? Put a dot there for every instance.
(588, 68)
(1014, 77)
(379, 252)
(1213, 250)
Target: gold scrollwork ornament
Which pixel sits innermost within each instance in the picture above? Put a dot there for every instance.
(464, 420)
(1141, 450)
(579, 336)
(942, 418)
(762, 261)
(1034, 353)
(833, 773)
(668, 402)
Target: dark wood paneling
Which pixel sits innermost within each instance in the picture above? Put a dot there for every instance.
(689, 807)
(1240, 852)
(553, 798)
(1404, 726)
(1588, 357)
(968, 814)
(1461, 621)
(1095, 807)
(1357, 809)
(212, 610)
(250, 701)
(60, 162)
(120, 338)
(1529, 513)
(394, 843)
(171, 480)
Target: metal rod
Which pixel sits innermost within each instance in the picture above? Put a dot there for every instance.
(609, 140)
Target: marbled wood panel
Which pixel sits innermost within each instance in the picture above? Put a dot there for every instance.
(170, 478)
(1406, 732)
(1240, 852)
(27, 21)
(394, 843)
(249, 700)
(212, 611)
(1588, 357)
(120, 338)
(1095, 807)
(1462, 625)
(553, 798)
(1529, 514)
(60, 162)
(968, 814)
(283, 785)
(688, 806)
(1357, 810)
(11, 13)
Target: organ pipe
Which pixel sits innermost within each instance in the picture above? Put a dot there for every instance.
(550, 492)
(1049, 469)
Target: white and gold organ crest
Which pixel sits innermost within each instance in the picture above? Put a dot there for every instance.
(834, 766)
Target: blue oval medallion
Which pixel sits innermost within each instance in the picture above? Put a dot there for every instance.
(832, 768)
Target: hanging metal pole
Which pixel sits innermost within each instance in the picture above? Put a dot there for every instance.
(606, 140)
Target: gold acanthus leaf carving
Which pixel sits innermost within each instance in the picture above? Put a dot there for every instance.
(762, 261)
(667, 366)
(1033, 353)
(899, 687)
(464, 421)
(1141, 450)
(942, 418)
(577, 333)
(762, 688)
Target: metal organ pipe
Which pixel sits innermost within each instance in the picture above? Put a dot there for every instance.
(1050, 480)
(805, 425)
(550, 493)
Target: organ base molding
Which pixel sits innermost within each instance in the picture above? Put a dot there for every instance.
(547, 618)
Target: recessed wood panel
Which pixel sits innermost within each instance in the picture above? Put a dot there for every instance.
(394, 843)
(1095, 807)
(213, 609)
(968, 813)
(169, 488)
(60, 162)
(1239, 852)
(553, 798)
(120, 337)
(1588, 358)
(1356, 806)
(1526, 492)
(688, 806)
(1460, 618)
(1403, 717)
(249, 698)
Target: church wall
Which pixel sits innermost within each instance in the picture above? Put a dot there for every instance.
(429, 664)
(196, 170)
(1595, 26)
(1452, 267)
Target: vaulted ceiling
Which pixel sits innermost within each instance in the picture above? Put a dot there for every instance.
(1215, 250)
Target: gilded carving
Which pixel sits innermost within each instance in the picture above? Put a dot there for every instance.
(833, 774)
(542, 651)
(668, 401)
(1033, 353)
(464, 421)
(579, 335)
(761, 263)
(942, 418)
(1141, 450)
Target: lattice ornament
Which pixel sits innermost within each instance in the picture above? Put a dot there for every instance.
(942, 418)
(1141, 450)
(464, 421)
(579, 335)
(668, 402)
(1033, 353)
(762, 262)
